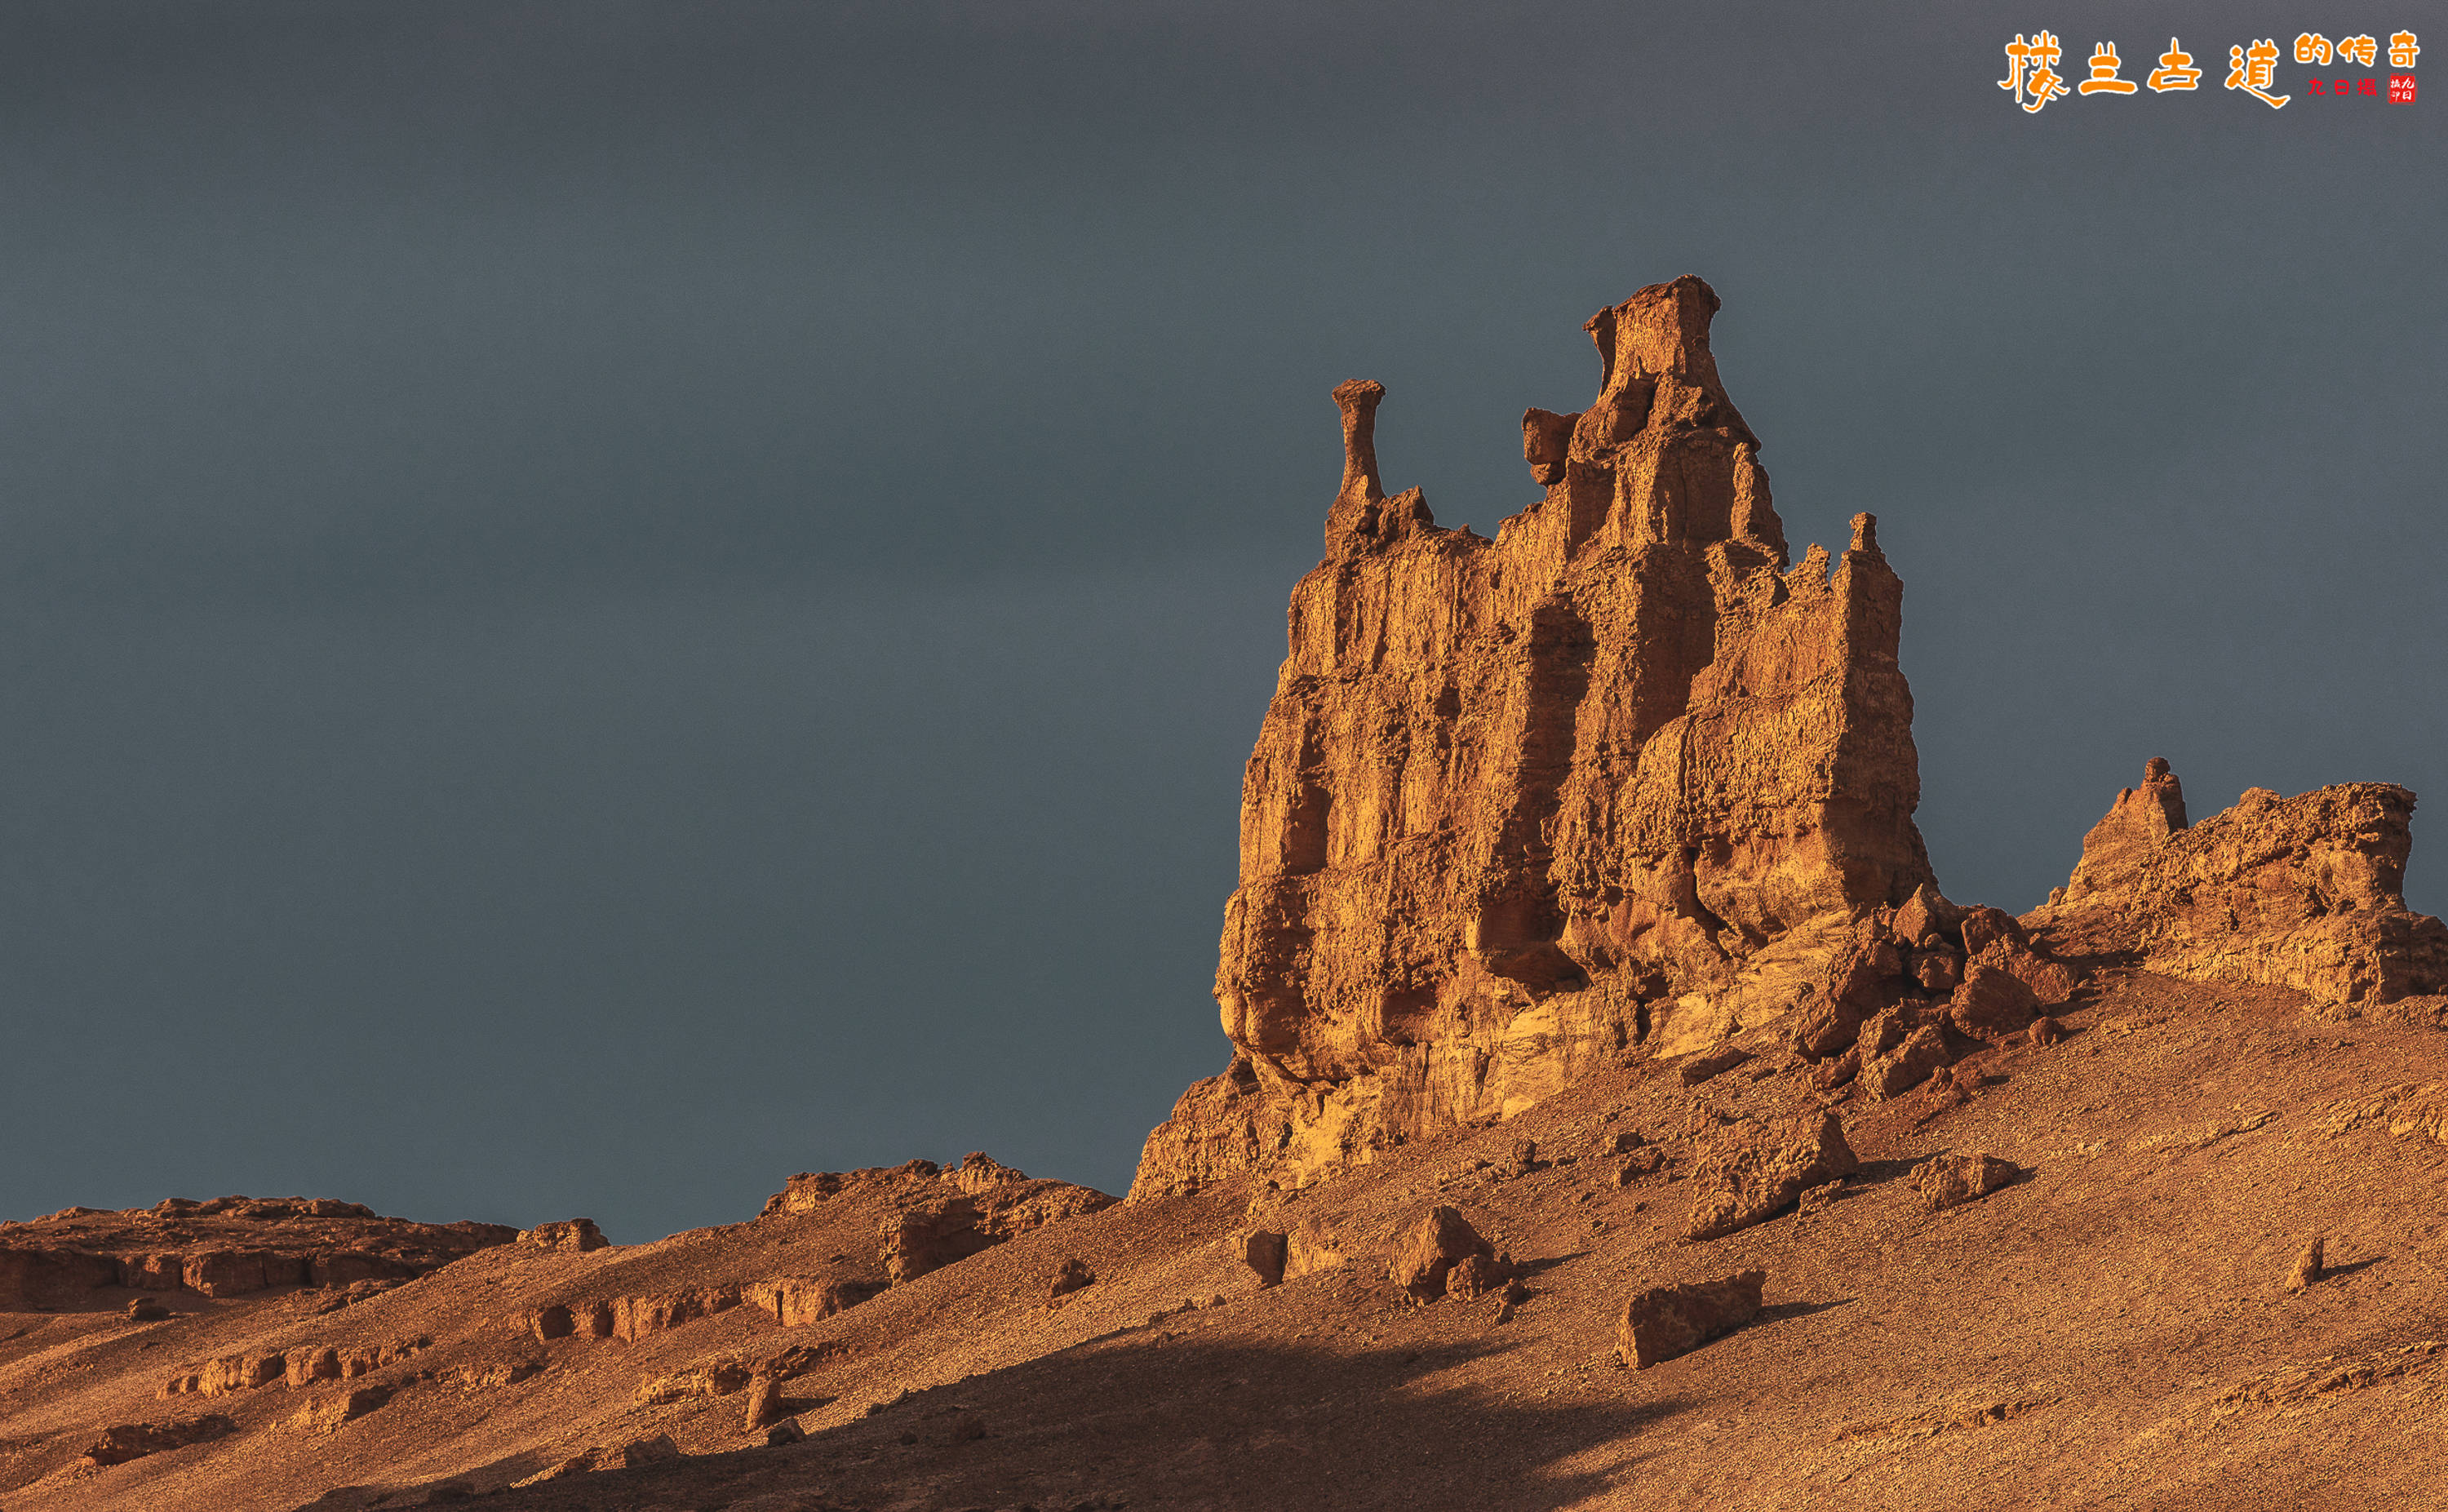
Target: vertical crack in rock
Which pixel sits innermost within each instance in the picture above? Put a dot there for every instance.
(1623, 770)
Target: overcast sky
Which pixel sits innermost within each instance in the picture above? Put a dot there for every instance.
(604, 601)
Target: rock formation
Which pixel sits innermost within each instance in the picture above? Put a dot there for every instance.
(226, 1247)
(2302, 892)
(1665, 1322)
(936, 1216)
(1620, 774)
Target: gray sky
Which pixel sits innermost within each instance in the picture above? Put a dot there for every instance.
(600, 602)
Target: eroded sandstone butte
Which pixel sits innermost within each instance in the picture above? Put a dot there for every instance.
(1623, 773)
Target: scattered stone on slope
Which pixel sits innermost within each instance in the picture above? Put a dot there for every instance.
(2307, 1269)
(786, 1431)
(1624, 772)
(1666, 1321)
(1426, 1253)
(1752, 1172)
(570, 1236)
(1951, 1180)
(2303, 893)
(1071, 1275)
(133, 1440)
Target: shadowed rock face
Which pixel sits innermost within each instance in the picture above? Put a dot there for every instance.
(1621, 772)
(2300, 892)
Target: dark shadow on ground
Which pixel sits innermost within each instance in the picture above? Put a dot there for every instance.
(1143, 1419)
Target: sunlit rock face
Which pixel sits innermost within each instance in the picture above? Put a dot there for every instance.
(1623, 774)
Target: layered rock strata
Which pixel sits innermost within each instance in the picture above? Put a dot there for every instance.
(1622, 774)
(2303, 893)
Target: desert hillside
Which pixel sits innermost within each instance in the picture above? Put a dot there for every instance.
(1619, 1114)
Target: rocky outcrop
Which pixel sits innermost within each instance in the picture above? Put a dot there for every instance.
(1663, 1322)
(934, 1216)
(1621, 774)
(2303, 893)
(334, 1412)
(133, 1440)
(227, 1246)
(571, 1236)
(295, 1368)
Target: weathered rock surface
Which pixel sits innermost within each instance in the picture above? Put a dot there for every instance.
(2303, 893)
(1664, 1322)
(1620, 771)
(1751, 1172)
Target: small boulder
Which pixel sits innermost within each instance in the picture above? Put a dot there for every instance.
(1908, 1064)
(1829, 1074)
(1073, 1276)
(570, 1236)
(2308, 1267)
(1263, 1252)
(1748, 1177)
(145, 1310)
(1991, 1003)
(1926, 920)
(2046, 1030)
(2051, 982)
(1478, 1276)
(1950, 1180)
(1521, 1160)
(1667, 1321)
(764, 1407)
(1427, 1252)
(1647, 1160)
(1938, 971)
(786, 1431)
(1623, 1141)
(1985, 926)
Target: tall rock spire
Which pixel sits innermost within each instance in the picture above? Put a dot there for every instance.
(1615, 776)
